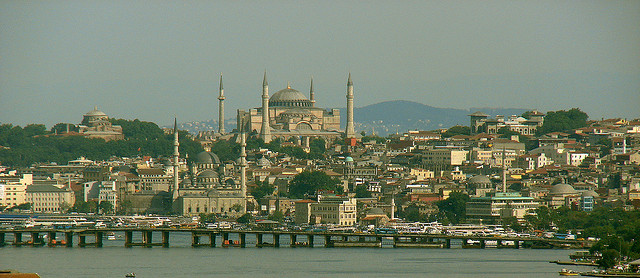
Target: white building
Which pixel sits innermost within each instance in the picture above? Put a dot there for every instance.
(500, 205)
(49, 199)
(335, 210)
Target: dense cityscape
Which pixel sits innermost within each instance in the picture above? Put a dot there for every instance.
(554, 175)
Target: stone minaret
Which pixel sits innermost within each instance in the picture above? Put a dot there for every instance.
(265, 130)
(243, 170)
(221, 108)
(312, 96)
(350, 132)
(176, 154)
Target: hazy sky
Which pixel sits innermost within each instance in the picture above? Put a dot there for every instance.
(155, 59)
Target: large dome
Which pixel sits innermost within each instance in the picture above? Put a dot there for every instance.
(561, 189)
(207, 158)
(290, 98)
(95, 112)
(479, 180)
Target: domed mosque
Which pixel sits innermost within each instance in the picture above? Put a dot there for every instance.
(289, 113)
(208, 190)
(96, 124)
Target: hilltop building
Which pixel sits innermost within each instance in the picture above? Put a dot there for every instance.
(480, 123)
(96, 124)
(288, 113)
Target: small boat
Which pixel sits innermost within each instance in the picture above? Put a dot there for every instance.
(568, 272)
(130, 275)
(111, 236)
(231, 243)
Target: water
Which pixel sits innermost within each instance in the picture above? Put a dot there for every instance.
(181, 260)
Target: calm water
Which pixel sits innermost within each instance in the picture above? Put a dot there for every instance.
(181, 260)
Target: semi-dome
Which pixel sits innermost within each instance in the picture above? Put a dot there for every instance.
(208, 174)
(207, 158)
(561, 189)
(290, 98)
(348, 159)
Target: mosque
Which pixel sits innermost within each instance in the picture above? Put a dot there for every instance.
(290, 114)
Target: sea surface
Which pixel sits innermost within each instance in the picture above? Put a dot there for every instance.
(182, 260)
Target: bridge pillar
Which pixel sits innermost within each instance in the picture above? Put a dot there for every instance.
(51, 239)
(128, 239)
(149, 239)
(17, 238)
(414, 239)
(379, 239)
(310, 240)
(243, 240)
(98, 236)
(345, 238)
(69, 239)
(259, 240)
(82, 240)
(35, 239)
(516, 244)
(292, 238)
(276, 240)
(225, 236)
(327, 241)
(195, 239)
(2, 238)
(212, 240)
(448, 243)
(361, 239)
(165, 239)
(498, 243)
(483, 244)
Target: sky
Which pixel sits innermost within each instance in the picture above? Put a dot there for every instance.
(153, 60)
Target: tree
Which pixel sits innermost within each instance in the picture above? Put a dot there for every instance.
(125, 207)
(236, 207)
(309, 182)
(362, 191)
(245, 218)
(276, 216)
(263, 189)
(563, 121)
(505, 132)
(105, 207)
(609, 259)
(456, 130)
(207, 218)
(454, 207)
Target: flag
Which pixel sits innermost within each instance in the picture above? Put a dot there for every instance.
(138, 149)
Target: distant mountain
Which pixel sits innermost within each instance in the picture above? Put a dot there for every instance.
(387, 117)
(399, 116)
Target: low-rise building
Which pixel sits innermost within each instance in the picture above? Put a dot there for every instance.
(500, 205)
(49, 199)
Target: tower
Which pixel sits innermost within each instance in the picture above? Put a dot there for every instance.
(221, 108)
(350, 132)
(243, 170)
(176, 154)
(265, 130)
(312, 96)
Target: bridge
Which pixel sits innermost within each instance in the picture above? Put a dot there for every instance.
(209, 238)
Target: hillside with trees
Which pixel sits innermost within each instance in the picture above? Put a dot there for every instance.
(35, 144)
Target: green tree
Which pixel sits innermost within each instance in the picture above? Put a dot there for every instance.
(207, 218)
(456, 130)
(563, 121)
(609, 259)
(245, 218)
(454, 207)
(276, 216)
(309, 182)
(362, 191)
(263, 189)
(105, 207)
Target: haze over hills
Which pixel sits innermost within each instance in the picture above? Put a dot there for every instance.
(388, 117)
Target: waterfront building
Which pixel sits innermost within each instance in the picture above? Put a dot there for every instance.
(328, 210)
(13, 189)
(49, 198)
(500, 205)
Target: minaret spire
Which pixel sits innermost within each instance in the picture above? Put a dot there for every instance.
(265, 129)
(349, 130)
(243, 170)
(312, 96)
(221, 98)
(176, 155)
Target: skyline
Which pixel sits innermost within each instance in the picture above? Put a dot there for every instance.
(153, 60)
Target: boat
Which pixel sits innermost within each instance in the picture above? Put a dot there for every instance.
(231, 243)
(568, 272)
(585, 256)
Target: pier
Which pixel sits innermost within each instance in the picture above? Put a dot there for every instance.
(222, 238)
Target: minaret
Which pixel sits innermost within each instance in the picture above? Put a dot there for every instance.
(243, 170)
(265, 130)
(221, 108)
(312, 96)
(504, 172)
(176, 154)
(350, 132)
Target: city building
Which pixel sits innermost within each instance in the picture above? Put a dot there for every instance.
(49, 198)
(500, 205)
